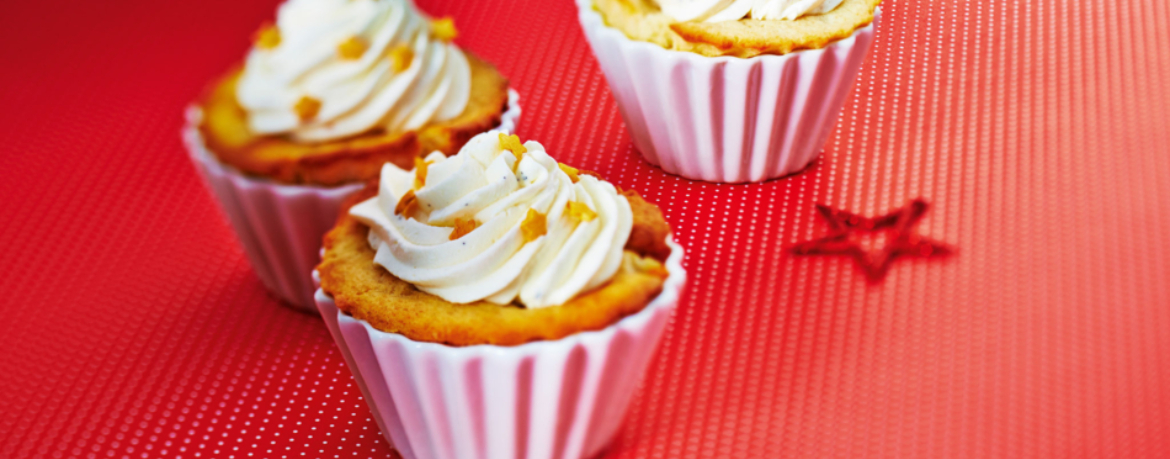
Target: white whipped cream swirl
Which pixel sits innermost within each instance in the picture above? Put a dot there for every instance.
(356, 95)
(494, 262)
(734, 10)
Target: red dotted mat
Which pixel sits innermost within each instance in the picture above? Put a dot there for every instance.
(1038, 131)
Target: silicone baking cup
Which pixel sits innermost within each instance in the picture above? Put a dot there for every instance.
(280, 226)
(546, 399)
(726, 119)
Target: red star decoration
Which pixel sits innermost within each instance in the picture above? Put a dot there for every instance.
(901, 240)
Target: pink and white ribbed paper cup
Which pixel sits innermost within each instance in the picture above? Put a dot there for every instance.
(280, 226)
(726, 119)
(548, 399)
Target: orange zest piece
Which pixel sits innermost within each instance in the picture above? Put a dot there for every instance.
(571, 172)
(444, 29)
(268, 37)
(307, 108)
(420, 173)
(512, 144)
(400, 58)
(407, 205)
(580, 212)
(463, 227)
(534, 226)
(352, 48)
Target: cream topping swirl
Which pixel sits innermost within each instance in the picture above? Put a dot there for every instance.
(734, 10)
(394, 74)
(502, 259)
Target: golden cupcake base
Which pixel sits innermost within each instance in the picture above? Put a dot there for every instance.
(368, 292)
(353, 159)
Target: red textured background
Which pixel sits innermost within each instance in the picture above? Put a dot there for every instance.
(1040, 132)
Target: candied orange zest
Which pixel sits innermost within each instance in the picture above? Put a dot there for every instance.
(463, 227)
(571, 172)
(400, 58)
(407, 205)
(629, 7)
(534, 226)
(444, 29)
(420, 173)
(512, 144)
(352, 48)
(307, 108)
(268, 37)
(580, 212)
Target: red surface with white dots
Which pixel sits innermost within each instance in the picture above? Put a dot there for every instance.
(1037, 130)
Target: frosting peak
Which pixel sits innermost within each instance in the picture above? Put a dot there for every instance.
(500, 221)
(733, 10)
(359, 64)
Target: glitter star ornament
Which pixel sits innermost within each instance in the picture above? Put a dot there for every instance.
(846, 229)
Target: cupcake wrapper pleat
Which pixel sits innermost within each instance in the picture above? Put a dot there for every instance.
(281, 226)
(727, 119)
(548, 399)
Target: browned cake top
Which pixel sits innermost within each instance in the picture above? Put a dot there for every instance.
(352, 159)
(370, 293)
(643, 20)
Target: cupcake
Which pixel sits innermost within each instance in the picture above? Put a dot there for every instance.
(496, 303)
(730, 90)
(327, 94)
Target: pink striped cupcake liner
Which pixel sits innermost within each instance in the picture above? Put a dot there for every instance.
(726, 119)
(280, 226)
(547, 399)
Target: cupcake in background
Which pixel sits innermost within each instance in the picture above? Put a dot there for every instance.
(496, 303)
(730, 90)
(328, 93)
